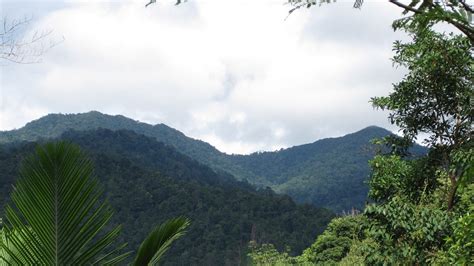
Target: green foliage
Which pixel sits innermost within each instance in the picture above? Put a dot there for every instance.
(406, 232)
(463, 163)
(148, 182)
(328, 173)
(392, 175)
(56, 217)
(267, 254)
(336, 241)
(159, 241)
(358, 252)
(426, 13)
(388, 174)
(423, 13)
(434, 97)
(8, 250)
(410, 222)
(461, 244)
(343, 242)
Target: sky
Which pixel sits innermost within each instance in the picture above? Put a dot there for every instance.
(238, 74)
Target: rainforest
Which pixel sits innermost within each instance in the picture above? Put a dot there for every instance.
(197, 168)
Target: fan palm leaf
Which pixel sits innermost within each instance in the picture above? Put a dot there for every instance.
(57, 216)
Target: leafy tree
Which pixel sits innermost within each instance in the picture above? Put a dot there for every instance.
(267, 254)
(56, 216)
(341, 235)
(427, 13)
(435, 97)
(423, 14)
(335, 243)
(460, 245)
(419, 214)
(405, 231)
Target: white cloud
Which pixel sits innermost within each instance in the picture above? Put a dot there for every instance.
(233, 73)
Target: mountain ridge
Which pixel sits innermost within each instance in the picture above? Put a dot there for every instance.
(329, 172)
(32, 125)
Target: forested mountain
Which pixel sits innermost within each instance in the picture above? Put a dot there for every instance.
(148, 182)
(53, 125)
(329, 173)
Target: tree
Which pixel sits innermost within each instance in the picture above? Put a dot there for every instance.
(420, 203)
(435, 98)
(25, 50)
(334, 244)
(427, 13)
(57, 216)
(422, 13)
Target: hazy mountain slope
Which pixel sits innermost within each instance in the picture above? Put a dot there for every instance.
(329, 172)
(147, 182)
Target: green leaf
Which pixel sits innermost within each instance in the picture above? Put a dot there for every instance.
(159, 241)
(56, 216)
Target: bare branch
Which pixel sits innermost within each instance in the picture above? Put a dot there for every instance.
(18, 48)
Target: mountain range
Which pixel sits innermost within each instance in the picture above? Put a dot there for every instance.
(153, 172)
(326, 173)
(147, 182)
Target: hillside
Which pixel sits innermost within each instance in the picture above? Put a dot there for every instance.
(54, 125)
(329, 172)
(147, 182)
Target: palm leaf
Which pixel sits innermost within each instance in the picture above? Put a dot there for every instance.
(9, 254)
(57, 199)
(159, 241)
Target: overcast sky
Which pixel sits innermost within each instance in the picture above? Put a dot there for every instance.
(233, 73)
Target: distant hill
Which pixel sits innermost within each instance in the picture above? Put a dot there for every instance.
(53, 125)
(147, 182)
(329, 172)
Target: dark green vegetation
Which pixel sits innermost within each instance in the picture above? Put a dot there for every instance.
(423, 208)
(343, 235)
(147, 182)
(415, 215)
(56, 216)
(328, 173)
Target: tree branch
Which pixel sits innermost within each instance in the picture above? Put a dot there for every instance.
(468, 31)
(466, 6)
(17, 48)
(409, 8)
(463, 28)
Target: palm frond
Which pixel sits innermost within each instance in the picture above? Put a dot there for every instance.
(159, 241)
(9, 254)
(58, 200)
